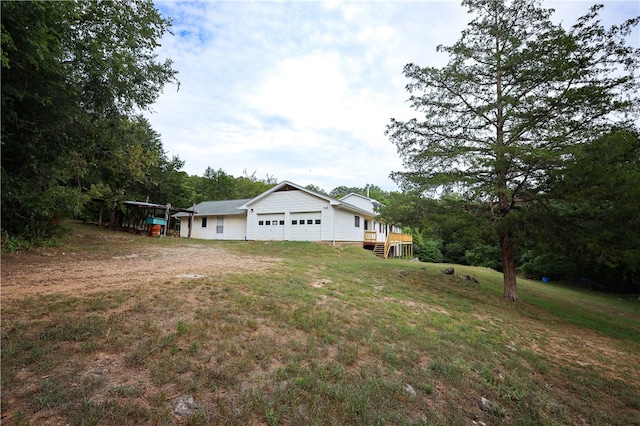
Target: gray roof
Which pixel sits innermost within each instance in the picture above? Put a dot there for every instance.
(217, 208)
(373, 201)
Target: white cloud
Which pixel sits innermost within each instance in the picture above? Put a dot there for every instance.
(303, 90)
(310, 90)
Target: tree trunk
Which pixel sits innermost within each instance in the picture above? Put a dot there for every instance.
(502, 166)
(112, 223)
(508, 266)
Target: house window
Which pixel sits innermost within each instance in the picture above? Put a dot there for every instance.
(357, 223)
(267, 222)
(294, 222)
(317, 221)
(261, 222)
(274, 222)
(301, 222)
(220, 226)
(366, 225)
(204, 222)
(282, 222)
(309, 221)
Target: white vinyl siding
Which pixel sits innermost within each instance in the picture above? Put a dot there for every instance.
(288, 204)
(359, 201)
(345, 229)
(324, 219)
(234, 227)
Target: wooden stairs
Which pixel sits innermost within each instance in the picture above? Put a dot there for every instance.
(382, 249)
(378, 250)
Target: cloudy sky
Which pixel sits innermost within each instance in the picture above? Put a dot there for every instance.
(302, 90)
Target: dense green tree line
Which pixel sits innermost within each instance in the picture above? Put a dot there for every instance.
(218, 185)
(587, 226)
(75, 78)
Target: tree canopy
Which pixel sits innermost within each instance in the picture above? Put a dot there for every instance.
(590, 218)
(518, 95)
(74, 77)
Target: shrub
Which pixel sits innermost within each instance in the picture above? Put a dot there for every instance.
(484, 255)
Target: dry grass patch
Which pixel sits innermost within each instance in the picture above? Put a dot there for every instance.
(302, 334)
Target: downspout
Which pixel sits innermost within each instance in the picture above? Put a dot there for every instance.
(333, 227)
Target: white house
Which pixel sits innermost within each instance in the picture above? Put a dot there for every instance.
(290, 212)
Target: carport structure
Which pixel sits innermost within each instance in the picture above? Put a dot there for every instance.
(144, 215)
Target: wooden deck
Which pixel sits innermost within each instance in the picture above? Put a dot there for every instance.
(404, 243)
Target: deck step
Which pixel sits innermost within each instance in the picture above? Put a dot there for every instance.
(379, 250)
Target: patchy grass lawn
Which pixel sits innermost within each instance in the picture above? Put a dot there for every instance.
(120, 329)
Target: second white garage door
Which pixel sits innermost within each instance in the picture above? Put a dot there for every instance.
(305, 226)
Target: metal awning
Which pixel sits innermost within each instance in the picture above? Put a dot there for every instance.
(156, 206)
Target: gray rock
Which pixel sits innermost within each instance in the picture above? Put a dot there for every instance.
(409, 389)
(185, 405)
(490, 407)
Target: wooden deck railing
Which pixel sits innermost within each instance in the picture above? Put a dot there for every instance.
(394, 238)
(406, 240)
(370, 236)
(400, 238)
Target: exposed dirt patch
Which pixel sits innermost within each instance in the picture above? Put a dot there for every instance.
(54, 271)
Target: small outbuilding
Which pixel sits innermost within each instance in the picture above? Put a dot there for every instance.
(146, 217)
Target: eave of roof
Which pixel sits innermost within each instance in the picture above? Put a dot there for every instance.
(282, 184)
(353, 208)
(373, 200)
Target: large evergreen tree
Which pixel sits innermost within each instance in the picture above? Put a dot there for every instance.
(516, 95)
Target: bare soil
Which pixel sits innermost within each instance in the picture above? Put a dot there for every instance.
(47, 271)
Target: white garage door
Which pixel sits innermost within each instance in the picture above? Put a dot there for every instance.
(305, 226)
(270, 227)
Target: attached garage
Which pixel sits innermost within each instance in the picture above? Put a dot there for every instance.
(289, 212)
(305, 226)
(270, 227)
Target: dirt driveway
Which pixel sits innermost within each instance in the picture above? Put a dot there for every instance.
(47, 271)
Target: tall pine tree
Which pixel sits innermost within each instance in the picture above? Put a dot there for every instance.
(517, 94)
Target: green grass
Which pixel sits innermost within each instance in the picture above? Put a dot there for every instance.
(333, 335)
(611, 314)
